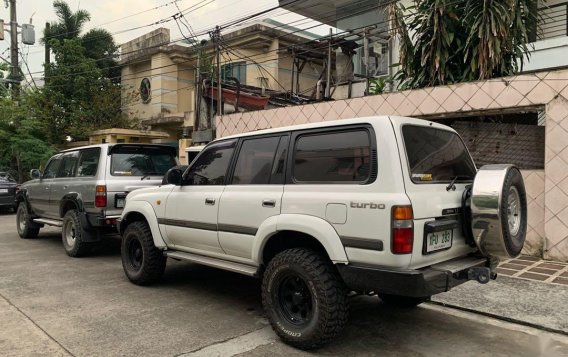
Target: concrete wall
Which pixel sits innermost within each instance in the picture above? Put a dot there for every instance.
(547, 190)
(132, 76)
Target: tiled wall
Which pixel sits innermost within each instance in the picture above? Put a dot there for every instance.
(548, 212)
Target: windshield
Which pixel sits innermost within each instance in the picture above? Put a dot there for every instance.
(436, 155)
(141, 162)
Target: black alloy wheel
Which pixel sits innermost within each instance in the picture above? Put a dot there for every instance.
(295, 299)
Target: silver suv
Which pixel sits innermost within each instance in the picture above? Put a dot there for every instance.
(83, 190)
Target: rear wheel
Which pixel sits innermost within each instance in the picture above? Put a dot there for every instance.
(404, 302)
(73, 235)
(143, 263)
(26, 227)
(304, 298)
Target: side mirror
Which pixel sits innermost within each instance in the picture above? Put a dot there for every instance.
(174, 177)
(35, 174)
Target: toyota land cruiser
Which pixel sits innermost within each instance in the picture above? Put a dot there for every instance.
(389, 205)
(83, 190)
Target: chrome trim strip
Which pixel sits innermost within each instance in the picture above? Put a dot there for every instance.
(232, 228)
(229, 228)
(362, 243)
(188, 224)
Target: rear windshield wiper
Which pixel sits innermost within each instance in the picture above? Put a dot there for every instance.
(452, 184)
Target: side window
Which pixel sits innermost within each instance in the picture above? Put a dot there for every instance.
(210, 168)
(254, 164)
(333, 157)
(88, 162)
(51, 169)
(68, 164)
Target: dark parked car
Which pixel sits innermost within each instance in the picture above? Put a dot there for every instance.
(8, 189)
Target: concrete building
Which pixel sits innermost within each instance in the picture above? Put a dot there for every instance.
(158, 75)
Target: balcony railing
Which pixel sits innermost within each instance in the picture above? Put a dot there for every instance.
(552, 21)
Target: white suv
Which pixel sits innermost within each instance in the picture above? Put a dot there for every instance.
(388, 205)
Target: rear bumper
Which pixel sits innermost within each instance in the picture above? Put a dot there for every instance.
(429, 281)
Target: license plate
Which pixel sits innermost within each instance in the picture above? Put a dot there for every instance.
(3, 190)
(120, 203)
(439, 240)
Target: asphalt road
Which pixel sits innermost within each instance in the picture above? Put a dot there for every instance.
(51, 304)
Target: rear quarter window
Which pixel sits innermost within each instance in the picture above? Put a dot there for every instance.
(333, 157)
(436, 155)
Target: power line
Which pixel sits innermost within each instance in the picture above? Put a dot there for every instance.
(248, 17)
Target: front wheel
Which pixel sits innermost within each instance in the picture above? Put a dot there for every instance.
(143, 263)
(26, 227)
(304, 298)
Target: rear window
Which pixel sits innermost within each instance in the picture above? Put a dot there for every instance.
(141, 161)
(436, 155)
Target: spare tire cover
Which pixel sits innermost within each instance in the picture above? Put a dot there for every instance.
(499, 211)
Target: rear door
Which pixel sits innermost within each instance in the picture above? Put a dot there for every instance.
(437, 167)
(255, 192)
(65, 178)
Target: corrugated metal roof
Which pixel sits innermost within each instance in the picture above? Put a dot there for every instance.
(497, 143)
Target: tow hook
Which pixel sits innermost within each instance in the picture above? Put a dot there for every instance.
(481, 274)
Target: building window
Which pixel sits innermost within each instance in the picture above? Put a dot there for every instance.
(234, 69)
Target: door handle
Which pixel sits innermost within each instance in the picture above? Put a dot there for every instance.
(210, 201)
(268, 203)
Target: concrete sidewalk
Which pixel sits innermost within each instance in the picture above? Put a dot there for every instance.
(535, 294)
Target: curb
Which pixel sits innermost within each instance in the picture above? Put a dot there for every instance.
(502, 318)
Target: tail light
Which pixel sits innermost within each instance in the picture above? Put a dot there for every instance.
(18, 189)
(402, 230)
(100, 196)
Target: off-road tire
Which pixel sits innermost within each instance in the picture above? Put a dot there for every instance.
(330, 306)
(73, 234)
(137, 241)
(26, 227)
(402, 302)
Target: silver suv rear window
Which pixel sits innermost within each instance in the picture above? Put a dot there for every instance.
(436, 155)
(137, 162)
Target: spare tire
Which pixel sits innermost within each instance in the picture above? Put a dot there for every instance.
(499, 211)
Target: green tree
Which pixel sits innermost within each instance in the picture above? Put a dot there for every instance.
(98, 43)
(78, 98)
(457, 41)
(23, 135)
(4, 92)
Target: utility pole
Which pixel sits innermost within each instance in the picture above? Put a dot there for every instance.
(47, 50)
(15, 73)
(328, 74)
(218, 54)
